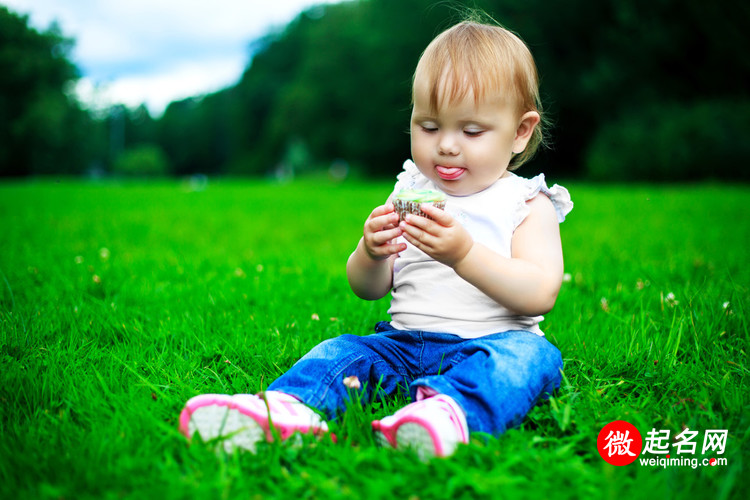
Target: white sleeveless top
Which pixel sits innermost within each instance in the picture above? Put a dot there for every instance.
(429, 296)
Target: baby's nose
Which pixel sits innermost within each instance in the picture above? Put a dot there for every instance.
(448, 145)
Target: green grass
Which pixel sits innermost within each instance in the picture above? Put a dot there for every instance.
(120, 302)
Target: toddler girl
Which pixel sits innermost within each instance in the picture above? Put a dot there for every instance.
(469, 284)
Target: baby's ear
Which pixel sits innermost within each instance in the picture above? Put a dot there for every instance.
(526, 126)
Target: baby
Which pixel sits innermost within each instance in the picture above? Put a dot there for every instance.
(469, 283)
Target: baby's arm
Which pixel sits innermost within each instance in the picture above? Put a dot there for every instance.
(370, 267)
(527, 283)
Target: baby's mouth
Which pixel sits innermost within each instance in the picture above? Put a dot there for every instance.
(449, 173)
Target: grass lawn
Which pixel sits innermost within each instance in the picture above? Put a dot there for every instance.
(118, 302)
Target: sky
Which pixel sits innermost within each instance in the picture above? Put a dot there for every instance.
(156, 51)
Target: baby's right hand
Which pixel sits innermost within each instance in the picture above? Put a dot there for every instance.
(381, 229)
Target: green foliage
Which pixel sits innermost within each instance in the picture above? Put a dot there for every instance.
(142, 161)
(674, 142)
(41, 130)
(118, 302)
(601, 60)
(337, 80)
(196, 134)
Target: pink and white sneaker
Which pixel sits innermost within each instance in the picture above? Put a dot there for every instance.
(432, 427)
(244, 420)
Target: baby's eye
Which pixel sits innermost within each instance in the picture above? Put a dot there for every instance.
(428, 127)
(473, 132)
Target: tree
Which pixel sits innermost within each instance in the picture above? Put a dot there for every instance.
(41, 129)
(338, 79)
(336, 82)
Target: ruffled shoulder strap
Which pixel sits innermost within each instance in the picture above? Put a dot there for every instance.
(559, 196)
(410, 178)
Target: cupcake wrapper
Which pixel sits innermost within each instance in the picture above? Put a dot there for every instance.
(410, 207)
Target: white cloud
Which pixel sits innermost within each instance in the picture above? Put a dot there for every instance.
(156, 51)
(157, 90)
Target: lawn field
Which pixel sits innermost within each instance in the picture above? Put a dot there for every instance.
(120, 301)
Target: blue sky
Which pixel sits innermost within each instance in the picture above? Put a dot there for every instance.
(157, 51)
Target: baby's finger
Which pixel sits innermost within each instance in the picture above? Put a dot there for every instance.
(420, 222)
(382, 237)
(416, 241)
(384, 251)
(416, 232)
(381, 222)
(394, 248)
(437, 214)
(382, 210)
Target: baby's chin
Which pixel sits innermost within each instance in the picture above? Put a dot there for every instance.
(461, 187)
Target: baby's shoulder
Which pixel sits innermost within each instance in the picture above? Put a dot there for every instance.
(556, 197)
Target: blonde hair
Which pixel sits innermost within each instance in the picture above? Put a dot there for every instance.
(491, 62)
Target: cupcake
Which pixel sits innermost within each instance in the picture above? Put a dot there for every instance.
(408, 200)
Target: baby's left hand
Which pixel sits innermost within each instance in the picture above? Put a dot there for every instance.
(442, 238)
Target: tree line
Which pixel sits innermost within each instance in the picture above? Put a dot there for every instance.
(636, 90)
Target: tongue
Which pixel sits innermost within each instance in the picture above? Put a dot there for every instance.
(449, 172)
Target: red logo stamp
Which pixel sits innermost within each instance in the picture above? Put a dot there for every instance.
(619, 443)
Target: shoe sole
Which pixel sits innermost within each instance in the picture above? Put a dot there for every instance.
(410, 436)
(408, 430)
(218, 419)
(237, 424)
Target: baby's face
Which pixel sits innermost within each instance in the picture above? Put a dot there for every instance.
(465, 146)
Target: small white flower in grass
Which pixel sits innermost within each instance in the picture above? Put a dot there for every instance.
(725, 307)
(352, 382)
(79, 259)
(670, 300)
(315, 317)
(605, 305)
(104, 253)
(96, 279)
(259, 268)
(239, 273)
(567, 278)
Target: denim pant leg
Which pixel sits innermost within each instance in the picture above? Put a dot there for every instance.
(497, 379)
(378, 361)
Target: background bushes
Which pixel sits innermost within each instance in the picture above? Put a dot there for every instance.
(142, 161)
(637, 90)
(706, 139)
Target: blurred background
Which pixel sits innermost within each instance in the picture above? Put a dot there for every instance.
(636, 90)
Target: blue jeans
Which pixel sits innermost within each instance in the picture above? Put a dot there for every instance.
(496, 379)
